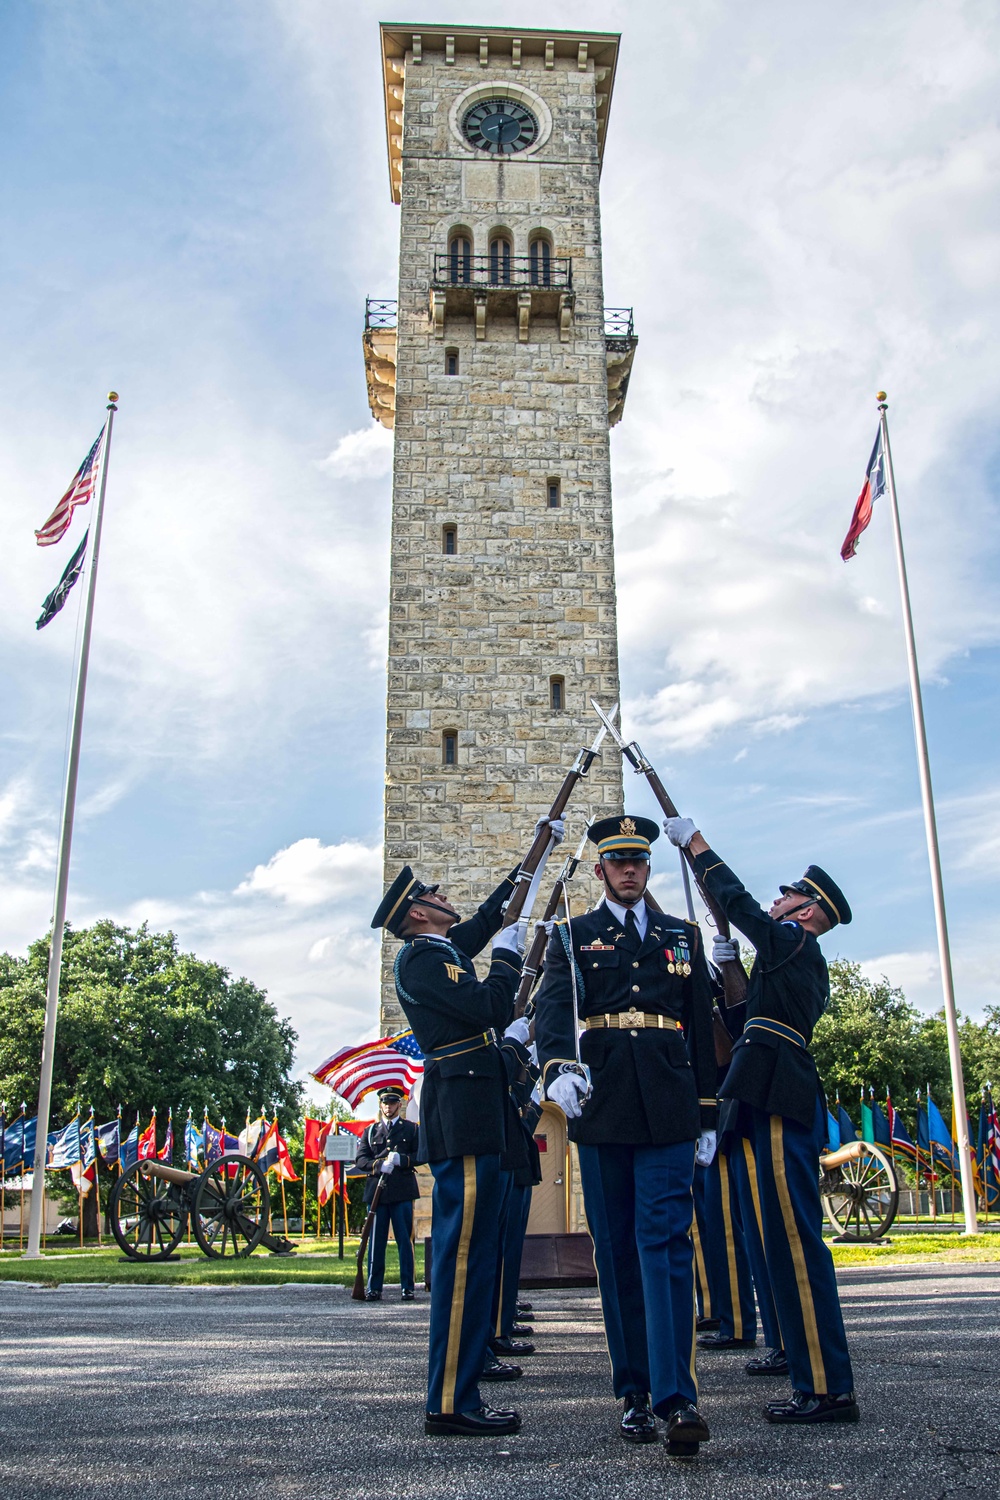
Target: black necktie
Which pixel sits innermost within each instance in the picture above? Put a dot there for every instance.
(633, 942)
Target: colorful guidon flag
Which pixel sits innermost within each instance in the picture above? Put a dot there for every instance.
(392, 1061)
(79, 493)
(873, 487)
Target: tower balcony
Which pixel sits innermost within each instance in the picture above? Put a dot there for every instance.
(379, 339)
(503, 286)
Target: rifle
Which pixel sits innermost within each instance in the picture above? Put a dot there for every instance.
(523, 1004)
(358, 1294)
(530, 874)
(734, 978)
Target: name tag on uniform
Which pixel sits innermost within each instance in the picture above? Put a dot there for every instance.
(597, 948)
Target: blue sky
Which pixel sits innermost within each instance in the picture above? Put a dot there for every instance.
(799, 201)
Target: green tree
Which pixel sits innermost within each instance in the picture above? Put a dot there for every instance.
(871, 1036)
(146, 1026)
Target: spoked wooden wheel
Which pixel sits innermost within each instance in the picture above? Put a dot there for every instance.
(232, 1207)
(861, 1196)
(148, 1216)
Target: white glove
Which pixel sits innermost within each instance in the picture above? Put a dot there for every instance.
(506, 939)
(705, 1150)
(390, 1164)
(680, 831)
(725, 951)
(566, 1090)
(556, 827)
(518, 1031)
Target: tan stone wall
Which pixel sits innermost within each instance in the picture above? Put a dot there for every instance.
(475, 638)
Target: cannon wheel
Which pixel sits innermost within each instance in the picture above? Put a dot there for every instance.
(861, 1196)
(232, 1207)
(148, 1217)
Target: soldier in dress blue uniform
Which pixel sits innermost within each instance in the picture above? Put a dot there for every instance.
(457, 1019)
(388, 1153)
(643, 993)
(524, 1166)
(772, 1101)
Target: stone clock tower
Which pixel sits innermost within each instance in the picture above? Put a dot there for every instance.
(500, 370)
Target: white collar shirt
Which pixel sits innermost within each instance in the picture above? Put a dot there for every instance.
(641, 915)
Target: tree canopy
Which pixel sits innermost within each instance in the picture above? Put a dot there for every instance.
(144, 1026)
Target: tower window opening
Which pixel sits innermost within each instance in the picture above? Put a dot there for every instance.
(449, 540)
(451, 361)
(554, 493)
(500, 260)
(460, 253)
(557, 694)
(540, 262)
(449, 747)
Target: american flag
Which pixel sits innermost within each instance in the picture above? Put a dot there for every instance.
(79, 493)
(353, 1072)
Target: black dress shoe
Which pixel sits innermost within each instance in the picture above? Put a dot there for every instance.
(804, 1406)
(373, 1296)
(486, 1422)
(774, 1362)
(495, 1369)
(516, 1347)
(704, 1325)
(522, 1308)
(724, 1341)
(521, 1331)
(407, 1296)
(686, 1428)
(638, 1425)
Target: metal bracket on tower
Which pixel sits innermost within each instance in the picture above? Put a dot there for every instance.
(523, 316)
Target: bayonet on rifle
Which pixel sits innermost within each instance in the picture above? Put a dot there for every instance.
(734, 979)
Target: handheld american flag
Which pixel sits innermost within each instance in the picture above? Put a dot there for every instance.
(353, 1072)
(79, 493)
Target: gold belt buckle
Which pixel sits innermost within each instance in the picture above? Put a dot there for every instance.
(632, 1018)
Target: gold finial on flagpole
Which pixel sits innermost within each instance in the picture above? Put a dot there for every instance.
(112, 397)
(881, 397)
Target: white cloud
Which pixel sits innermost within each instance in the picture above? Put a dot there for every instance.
(365, 454)
(309, 873)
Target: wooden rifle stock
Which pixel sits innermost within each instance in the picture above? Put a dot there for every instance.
(358, 1294)
(536, 949)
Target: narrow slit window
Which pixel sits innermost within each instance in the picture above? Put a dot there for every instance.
(449, 747)
(557, 694)
(449, 540)
(460, 255)
(541, 262)
(451, 361)
(500, 256)
(554, 489)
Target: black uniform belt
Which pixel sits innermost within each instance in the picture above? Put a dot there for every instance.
(464, 1044)
(778, 1028)
(633, 1020)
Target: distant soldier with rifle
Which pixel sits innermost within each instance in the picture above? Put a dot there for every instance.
(773, 1107)
(638, 982)
(388, 1153)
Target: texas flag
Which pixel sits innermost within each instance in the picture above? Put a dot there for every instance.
(873, 487)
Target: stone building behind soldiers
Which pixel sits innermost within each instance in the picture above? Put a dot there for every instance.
(500, 371)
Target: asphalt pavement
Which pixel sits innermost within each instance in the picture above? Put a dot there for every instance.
(297, 1393)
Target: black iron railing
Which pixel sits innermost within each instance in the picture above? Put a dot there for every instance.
(618, 324)
(522, 271)
(380, 312)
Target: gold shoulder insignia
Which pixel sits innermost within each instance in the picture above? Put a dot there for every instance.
(627, 826)
(453, 971)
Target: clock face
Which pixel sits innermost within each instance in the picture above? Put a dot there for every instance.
(499, 127)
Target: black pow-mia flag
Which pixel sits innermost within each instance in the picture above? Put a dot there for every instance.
(55, 601)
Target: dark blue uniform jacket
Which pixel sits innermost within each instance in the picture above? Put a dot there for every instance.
(400, 1185)
(651, 1086)
(463, 1102)
(789, 983)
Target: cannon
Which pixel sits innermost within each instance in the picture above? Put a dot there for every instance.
(227, 1205)
(860, 1190)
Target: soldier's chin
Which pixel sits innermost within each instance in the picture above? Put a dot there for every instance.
(455, 917)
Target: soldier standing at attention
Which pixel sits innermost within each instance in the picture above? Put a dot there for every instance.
(387, 1152)
(456, 1019)
(641, 987)
(772, 1099)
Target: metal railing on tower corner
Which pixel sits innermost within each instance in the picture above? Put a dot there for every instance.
(380, 312)
(619, 328)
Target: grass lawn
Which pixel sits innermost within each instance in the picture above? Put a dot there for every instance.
(66, 1262)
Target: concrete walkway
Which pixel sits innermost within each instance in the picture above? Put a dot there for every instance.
(279, 1393)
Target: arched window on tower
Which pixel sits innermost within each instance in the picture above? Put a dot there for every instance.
(451, 361)
(449, 539)
(460, 256)
(557, 694)
(501, 252)
(553, 491)
(540, 260)
(449, 747)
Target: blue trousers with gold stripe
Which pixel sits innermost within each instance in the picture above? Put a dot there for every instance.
(639, 1209)
(513, 1248)
(743, 1178)
(464, 1231)
(799, 1263)
(506, 1192)
(724, 1251)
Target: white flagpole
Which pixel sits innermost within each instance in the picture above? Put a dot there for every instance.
(36, 1220)
(933, 852)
